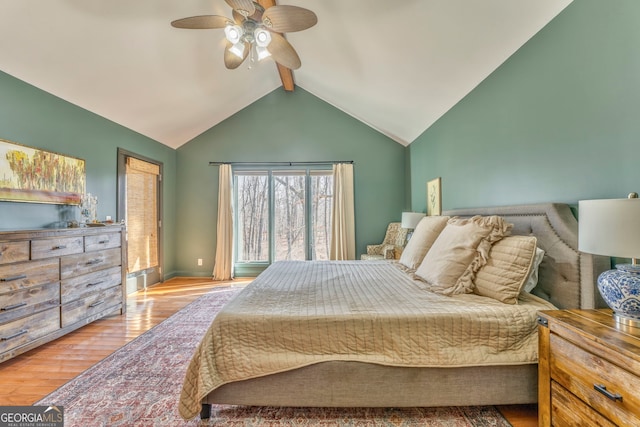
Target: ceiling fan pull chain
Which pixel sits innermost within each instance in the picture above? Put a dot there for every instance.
(252, 58)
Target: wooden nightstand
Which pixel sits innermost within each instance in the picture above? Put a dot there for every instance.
(588, 371)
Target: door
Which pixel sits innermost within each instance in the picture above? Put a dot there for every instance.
(139, 188)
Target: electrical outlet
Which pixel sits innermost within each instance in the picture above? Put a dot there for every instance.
(199, 261)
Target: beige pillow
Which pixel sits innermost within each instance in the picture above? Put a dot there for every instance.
(506, 271)
(426, 232)
(459, 251)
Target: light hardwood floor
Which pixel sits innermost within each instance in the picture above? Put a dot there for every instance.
(29, 377)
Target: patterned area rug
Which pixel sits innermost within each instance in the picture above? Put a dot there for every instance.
(139, 385)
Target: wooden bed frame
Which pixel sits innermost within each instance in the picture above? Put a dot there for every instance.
(567, 279)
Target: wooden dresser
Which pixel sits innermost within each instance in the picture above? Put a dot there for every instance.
(589, 370)
(53, 281)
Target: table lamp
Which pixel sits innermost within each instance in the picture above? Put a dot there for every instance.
(611, 227)
(410, 221)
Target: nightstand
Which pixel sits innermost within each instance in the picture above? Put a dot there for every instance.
(588, 370)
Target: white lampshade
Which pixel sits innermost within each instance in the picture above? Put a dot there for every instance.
(411, 219)
(233, 33)
(612, 228)
(609, 227)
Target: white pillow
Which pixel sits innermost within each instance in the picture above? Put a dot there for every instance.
(426, 232)
(459, 252)
(532, 280)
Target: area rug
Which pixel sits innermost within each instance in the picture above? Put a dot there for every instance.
(139, 385)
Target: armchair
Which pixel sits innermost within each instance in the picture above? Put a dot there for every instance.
(392, 245)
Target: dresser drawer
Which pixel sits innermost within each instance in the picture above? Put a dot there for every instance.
(89, 262)
(28, 274)
(24, 302)
(27, 329)
(47, 248)
(102, 241)
(81, 286)
(14, 251)
(566, 410)
(582, 373)
(91, 305)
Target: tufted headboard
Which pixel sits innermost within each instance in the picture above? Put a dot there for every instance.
(567, 277)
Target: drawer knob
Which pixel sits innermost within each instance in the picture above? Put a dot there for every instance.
(97, 303)
(93, 284)
(16, 335)
(603, 389)
(11, 279)
(13, 307)
(103, 242)
(94, 261)
(59, 247)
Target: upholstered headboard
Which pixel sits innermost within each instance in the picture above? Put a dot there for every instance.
(567, 277)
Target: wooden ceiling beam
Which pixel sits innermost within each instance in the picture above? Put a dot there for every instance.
(286, 74)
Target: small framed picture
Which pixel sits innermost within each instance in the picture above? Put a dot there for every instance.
(434, 197)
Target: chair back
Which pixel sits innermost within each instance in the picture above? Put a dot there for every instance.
(395, 235)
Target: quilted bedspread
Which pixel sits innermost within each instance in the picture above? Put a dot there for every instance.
(297, 313)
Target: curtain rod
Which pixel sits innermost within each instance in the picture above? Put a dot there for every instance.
(279, 163)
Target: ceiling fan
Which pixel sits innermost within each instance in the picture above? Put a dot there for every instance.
(256, 31)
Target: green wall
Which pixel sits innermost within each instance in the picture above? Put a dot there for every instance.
(286, 127)
(35, 118)
(558, 121)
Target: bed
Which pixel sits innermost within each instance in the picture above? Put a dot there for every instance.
(354, 359)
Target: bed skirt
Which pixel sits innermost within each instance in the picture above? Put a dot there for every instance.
(355, 384)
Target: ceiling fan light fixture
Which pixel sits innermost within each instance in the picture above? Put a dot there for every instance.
(237, 49)
(262, 52)
(262, 37)
(233, 33)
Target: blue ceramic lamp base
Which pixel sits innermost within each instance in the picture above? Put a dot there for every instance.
(620, 289)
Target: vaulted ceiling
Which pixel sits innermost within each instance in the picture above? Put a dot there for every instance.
(395, 65)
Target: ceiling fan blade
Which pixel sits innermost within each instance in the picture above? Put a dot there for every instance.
(282, 52)
(237, 17)
(202, 22)
(231, 60)
(286, 19)
(243, 7)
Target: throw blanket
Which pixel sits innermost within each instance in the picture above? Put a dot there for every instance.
(298, 313)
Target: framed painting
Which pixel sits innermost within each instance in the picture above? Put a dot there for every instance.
(38, 176)
(434, 197)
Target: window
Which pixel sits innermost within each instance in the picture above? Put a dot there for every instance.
(281, 214)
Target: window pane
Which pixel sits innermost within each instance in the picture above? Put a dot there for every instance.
(289, 215)
(253, 217)
(321, 204)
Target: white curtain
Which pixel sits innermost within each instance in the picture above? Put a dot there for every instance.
(343, 230)
(223, 266)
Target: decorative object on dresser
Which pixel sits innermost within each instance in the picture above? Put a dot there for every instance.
(89, 209)
(53, 281)
(589, 369)
(410, 221)
(391, 246)
(611, 227)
